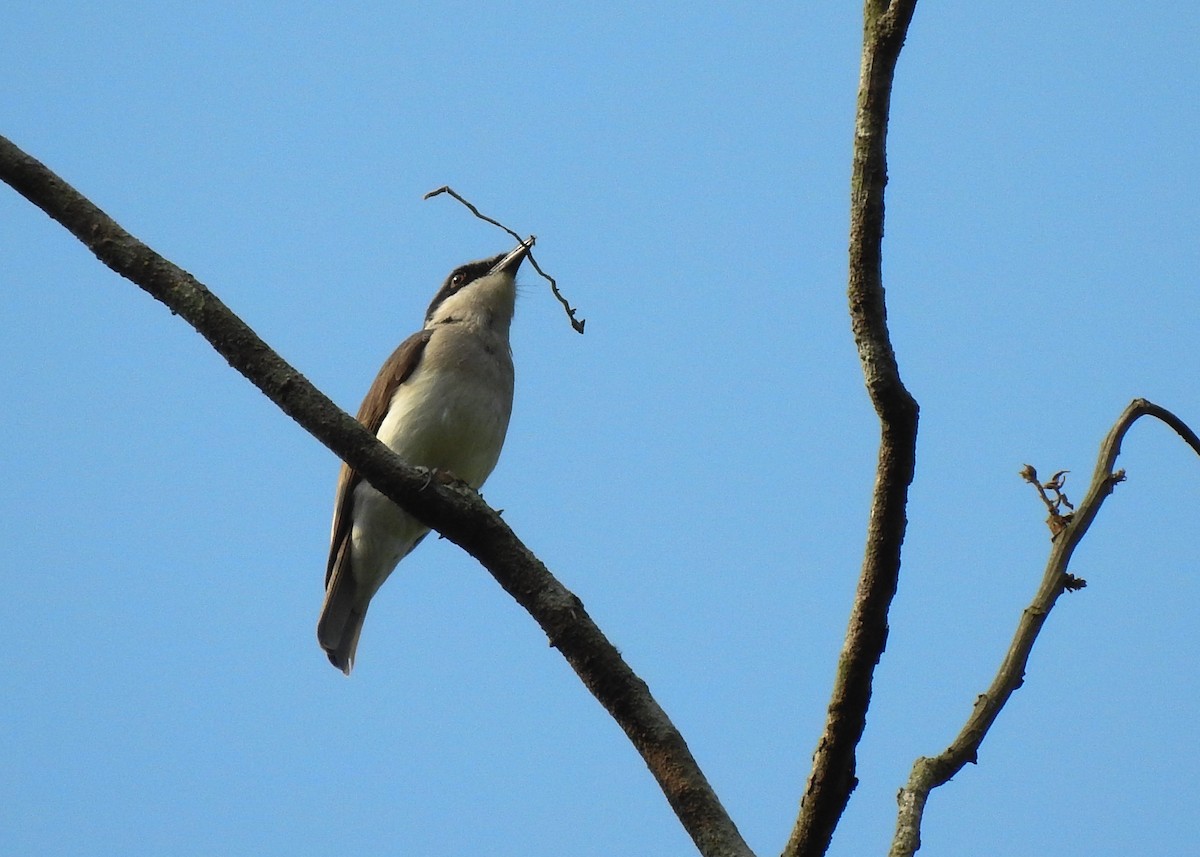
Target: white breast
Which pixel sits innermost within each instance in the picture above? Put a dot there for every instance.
(452, 413)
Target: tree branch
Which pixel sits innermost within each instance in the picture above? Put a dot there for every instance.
(453, 510)
(833, 772)
(1067, 531)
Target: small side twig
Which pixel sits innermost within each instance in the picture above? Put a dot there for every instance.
(929, 773)
(576, 323)
(1057, 520)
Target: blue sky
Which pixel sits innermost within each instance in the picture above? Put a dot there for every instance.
(696, 467)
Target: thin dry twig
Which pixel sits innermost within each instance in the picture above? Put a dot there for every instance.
(453, 510)
(577, 324)
(929, 773)
(1057, 521)
(832, 778)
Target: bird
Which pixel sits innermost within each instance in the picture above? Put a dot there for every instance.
(441, 401)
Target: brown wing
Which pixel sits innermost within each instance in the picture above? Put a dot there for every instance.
(395, 371)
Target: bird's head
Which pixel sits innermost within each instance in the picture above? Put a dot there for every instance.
(483, 292)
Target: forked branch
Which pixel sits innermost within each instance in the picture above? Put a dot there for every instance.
(1066, 533)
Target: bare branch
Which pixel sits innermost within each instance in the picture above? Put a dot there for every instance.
(577, 324)
(929, 773)
(833, 772)
(453, 510)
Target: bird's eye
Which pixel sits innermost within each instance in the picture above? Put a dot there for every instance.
(458, 279)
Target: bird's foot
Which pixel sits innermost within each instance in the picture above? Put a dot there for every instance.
(442, 477)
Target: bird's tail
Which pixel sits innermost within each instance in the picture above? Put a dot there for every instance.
(341, 621)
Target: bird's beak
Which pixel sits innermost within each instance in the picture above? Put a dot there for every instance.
(511, 261)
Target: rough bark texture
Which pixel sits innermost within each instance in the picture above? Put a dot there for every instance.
(929, 773)
(453, 510)
(833, 772)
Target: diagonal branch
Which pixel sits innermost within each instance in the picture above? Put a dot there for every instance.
(929, 773)
(453, 510)
(833, 772)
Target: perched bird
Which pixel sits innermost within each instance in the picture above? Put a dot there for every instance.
(442, 401)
